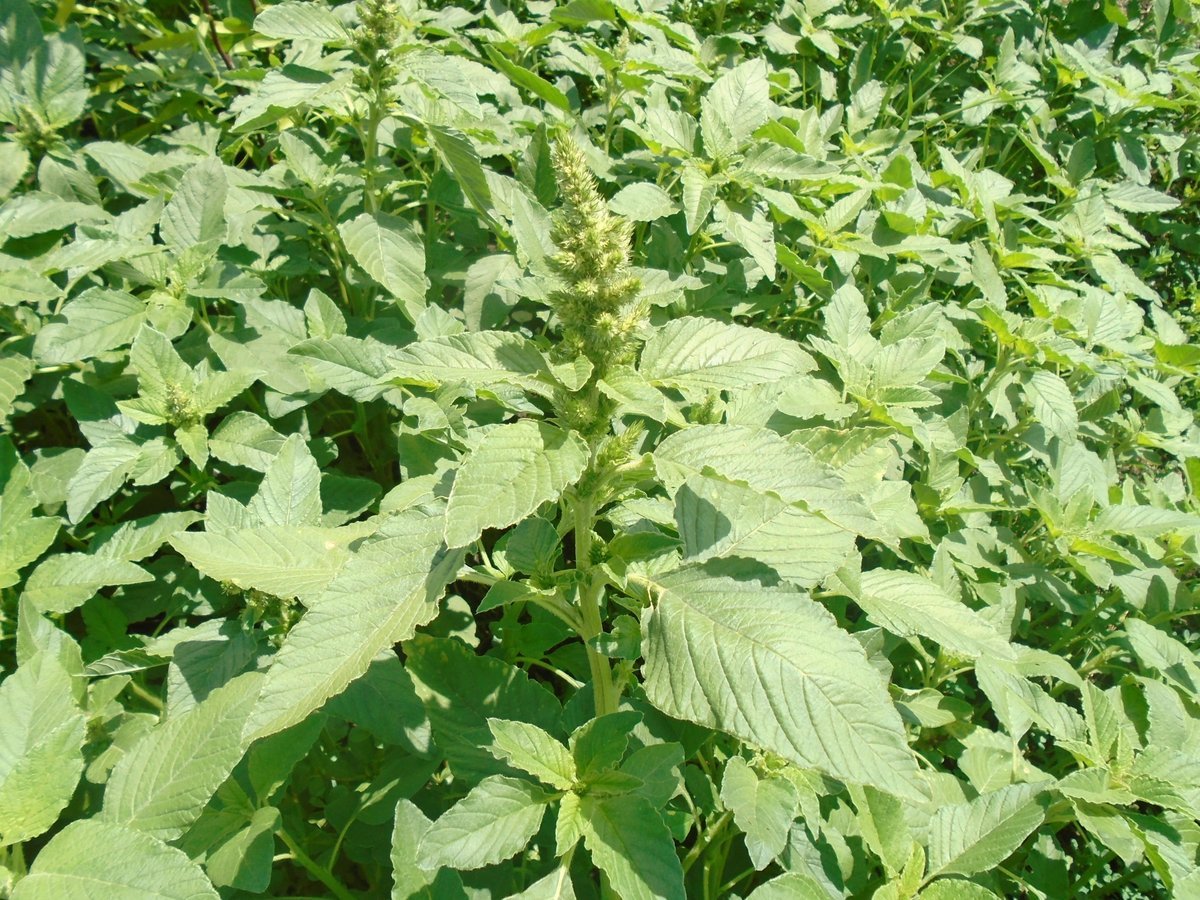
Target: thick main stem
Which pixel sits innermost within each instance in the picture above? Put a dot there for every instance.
(591, 591)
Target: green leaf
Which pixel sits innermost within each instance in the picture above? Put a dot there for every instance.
(385, 702)
(1052, 404)
(90, 859)
(300, 21)
(970, 837)
(719, 518)
(632, 846)
(101, 474)
(352, 366)
(196, 211)
(767, 463)
(98, 320)
(478, 359)
(642, 202)
(514, 470)
(699, 354)
(493, 822)
(41, 752)
(884, 828)
(388, 588)
(462, 691)
(762, 807)
(462, 159)
(244, 439)
(23, 536)
(533, 750)
(66, 580)
(161, 785)
(284, 560)
(734, 106)
(599, 744)
(52, 83)
(771, 667)
(908, 604)
(790, 886)
(555, 886)
(136, 539)
(530, 81)
(290, 493)
(390, 250)
(15, 371)
(956, 889)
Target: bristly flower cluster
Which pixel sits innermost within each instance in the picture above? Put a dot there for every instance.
(378, 32)
(596, 305)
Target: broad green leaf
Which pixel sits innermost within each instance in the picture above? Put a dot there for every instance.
(642, 202)
(493, 822)
(98, 320)
(884, 828)
(290, 493)
(462, 691)
(388, 588)
(135, 539)
(41, 747)
(462, 159)
(970, 837)
(385, 702)
(245, 861)
(1156, 649)
(90, 859)
(528, 80)
(66, 580)
(15, 371)
(956, 889)
(749, 226)
(1052, 404)
(555, 886)
(1133, 197)
(300, 21)
(284, 560)
(734, 106)
(630, 843)
(908, 604)
(771, 667)
(790, 886)
(723, 518)
(767, 463)
(409, 878)
(699, 192)
(514, 470)
(346, 364)
(1144, 521)
(598, 745)
(101, 474)
(763, 808)
(23, 536)
(390, 250)
(478, 359)
(196, 211)
(161, 785)
(532, 750)
(696, 354)
(245, 439)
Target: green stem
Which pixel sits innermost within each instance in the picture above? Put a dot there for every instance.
(590, 594)
(315, 869)
(707, 838)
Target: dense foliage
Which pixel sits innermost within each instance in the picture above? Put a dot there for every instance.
(612, 448)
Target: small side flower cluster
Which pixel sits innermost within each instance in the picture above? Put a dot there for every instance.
(597, 305)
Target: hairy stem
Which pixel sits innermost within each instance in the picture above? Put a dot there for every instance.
(591, 592)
